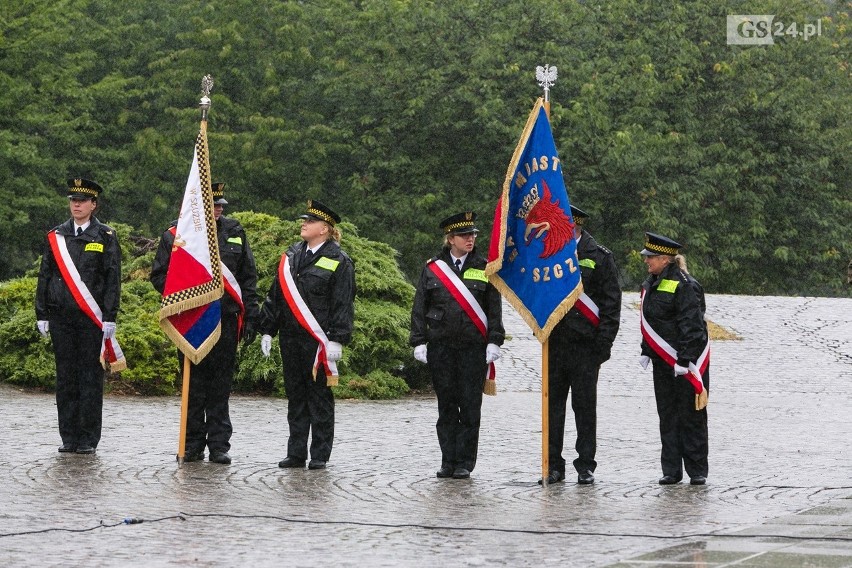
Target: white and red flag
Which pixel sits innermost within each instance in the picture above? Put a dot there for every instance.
(190, 312)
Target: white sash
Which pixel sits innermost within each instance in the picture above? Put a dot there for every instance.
(112, 357)
(307, 320)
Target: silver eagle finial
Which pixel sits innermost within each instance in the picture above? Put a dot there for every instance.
(546, 77)
(206, 87)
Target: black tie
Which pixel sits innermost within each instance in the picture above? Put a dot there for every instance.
(458, 265)
(309, 254)
(79, 231)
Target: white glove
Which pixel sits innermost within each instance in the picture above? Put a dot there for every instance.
(644, 360)
(334, 351)
(420, 353)
(492, 353)
(679, 371)
(265, 345)
(43, 327)
(109, 329)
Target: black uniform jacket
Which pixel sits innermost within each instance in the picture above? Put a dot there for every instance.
(600, 283)
(97, 256)
(437, 316)
(674, 307)
(235, 252)
(327, 284)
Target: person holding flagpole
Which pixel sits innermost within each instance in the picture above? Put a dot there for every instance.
(580, 343)
(675, 341)
(311, 306)
(208, 416)
(77, 301)
(457, 330)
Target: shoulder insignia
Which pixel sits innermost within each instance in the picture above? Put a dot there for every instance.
(604, 249)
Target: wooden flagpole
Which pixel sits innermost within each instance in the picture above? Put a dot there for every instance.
(206, 86)
(184, 408)
(546, 76)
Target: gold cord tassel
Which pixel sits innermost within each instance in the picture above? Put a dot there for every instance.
(701, 400)
(490, 388)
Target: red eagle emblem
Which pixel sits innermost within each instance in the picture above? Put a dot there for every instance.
(549, 222)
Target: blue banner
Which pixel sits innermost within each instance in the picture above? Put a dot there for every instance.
(532, 257)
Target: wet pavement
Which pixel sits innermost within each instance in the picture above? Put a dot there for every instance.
(779, 491)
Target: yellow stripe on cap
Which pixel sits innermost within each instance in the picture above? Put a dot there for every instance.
(322, 215)
(459, 225)
(661, 249)
(85, 190)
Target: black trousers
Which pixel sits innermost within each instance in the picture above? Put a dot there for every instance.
(208, 420)
(79, 379)
(458, 375)
(683, 430)
(310, 403)
(573, 367)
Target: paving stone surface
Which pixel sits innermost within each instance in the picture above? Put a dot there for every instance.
(779, 491)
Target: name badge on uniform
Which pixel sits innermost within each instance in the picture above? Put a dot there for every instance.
(327, 263)
(235, 240)
(475, 274)
(94, 247)
(667, 286)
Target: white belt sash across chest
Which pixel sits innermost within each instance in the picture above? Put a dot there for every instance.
(112, 357)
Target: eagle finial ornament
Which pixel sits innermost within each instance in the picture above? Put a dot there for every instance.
(546, 77)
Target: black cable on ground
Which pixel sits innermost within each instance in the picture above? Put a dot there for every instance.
(183, 516)
(127, 521)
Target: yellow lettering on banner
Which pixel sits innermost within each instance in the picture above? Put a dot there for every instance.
(94, 247)
(546, 273)
(571, 268)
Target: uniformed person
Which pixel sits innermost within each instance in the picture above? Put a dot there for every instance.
(81, 264)
(313, 322)
(452, 344)
(208, 421)
(673, 315)
(579, 344)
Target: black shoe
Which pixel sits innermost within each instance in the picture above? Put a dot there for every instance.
(291, 462)
(193, 455)
(461, 473)
(555, 477)
(586, 478)
(669, 480)
(445, 471)
(698, 480)
(85, 449)
(68, 448)
(220, 457)
(316, 464)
